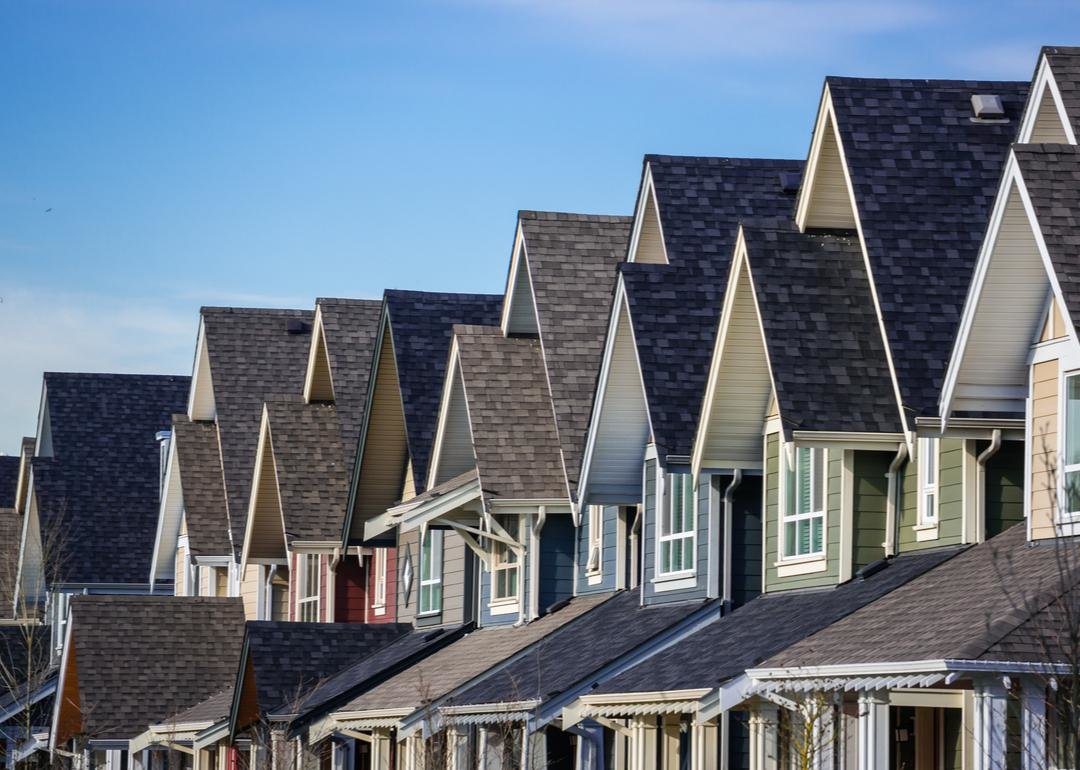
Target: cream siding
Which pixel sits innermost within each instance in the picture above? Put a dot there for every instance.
(1043, 439)
(454, 453)
(249, 591)
(522, 316)
(201, 406)
(180, 564)
(1048, 128)
(319, 385)
(267, 535)
(830, 199)
(408, 488)
(650, 244)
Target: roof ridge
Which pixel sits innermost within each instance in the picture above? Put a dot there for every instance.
(938, 82)
(728, 159)
(267, 311)
(570, 216)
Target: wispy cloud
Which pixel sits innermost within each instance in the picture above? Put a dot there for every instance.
(45, 331)
(723, 27)
(200, 297)
(1014, 60)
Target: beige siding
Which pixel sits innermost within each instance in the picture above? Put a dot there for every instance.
(830, 200)
(455, 450)
(202, 397)
(650, 245)
(267, 533)
(455, 556)
(385, 450)
(522, 317)
(408, 488)
(205, 581)
(249, 591)
(320, 385)
(1054, 327)
(1048, 128)
(1044, 448)
(179, 563)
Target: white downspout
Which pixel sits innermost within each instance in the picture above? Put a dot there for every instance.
(980, 484)
(635, 549)
(729, 516)
(892, 514)
(534, 565)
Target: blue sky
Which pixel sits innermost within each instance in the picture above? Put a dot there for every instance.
(158, 156)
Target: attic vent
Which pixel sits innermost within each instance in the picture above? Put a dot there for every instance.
(789, 181)
(296, 326)
(987, 107)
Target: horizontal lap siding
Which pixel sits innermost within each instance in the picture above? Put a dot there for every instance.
(870, 494)
(1004, 486)
(745, 538)
(350, 591)
(1044, 448)
(456, 574)
(950, 498)
(652, 500)
(608, 552)
(557, 560)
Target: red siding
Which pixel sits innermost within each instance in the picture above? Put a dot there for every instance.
(391, 588)
(350, 594)
(324, 581)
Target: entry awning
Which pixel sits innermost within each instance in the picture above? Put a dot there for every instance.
(640, 709)
(846, 684)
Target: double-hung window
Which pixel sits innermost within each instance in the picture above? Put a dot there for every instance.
(676, 531)
(431, 569)
(803, 517)
(505, 565)
(307, 589)
(1071, 476)
(928, 480)
(594, 563)
(379, 568)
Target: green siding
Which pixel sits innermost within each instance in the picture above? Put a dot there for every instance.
(950, 499)
(773, 582)
(1004, 486)
(870, 492)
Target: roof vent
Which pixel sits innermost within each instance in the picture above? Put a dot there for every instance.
(296, 326)
(789, 181)
(871, 569)
(987, 107)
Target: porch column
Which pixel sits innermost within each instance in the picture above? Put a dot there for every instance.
(1033, 724)
(457, 748)
(873, 730)
(590, 747)
(991, 700)
(380, 750)
(643, 743)
(535, 751)
(764, 737)
(703, 747)
(825, 733)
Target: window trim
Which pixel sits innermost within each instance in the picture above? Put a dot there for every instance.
(664, 511)
(378, 566)
(595, 572)
(822, 478)
(1063, 515)
(434, 537)
(305, 598)
(929, 445)
(512, 524)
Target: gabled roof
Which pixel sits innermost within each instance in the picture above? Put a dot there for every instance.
(283, 662)
(514, 438)
(203, 487)
(97, 495)
(350, 328)
(571, 262)
(1064, 63)
(763, 626)
(421, 325)
(134, 660)
(988, 600)
(924, 177)
(254, 353)
(824, 344)
(213, 709)
(675, 308)
(577, 651)
(9, 480)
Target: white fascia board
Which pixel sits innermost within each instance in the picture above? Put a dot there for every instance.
(846, 440)
(1044, 79)
(491, 708)
(453, 368)
(351, 716)
(433, 509)
(550, 505)
(806, 188)
(249, 524)
(646, 193)
(165, 529)
(213, 561)
(211, 735)
(620, 305)
(654, 696)
(726, 697)
(849, 669)
(314, 546)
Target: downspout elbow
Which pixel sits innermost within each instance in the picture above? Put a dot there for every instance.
(892, 514)
(980, 485)
(729, 525)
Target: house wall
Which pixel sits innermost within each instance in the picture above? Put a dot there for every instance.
(1048, 128)
(1004, 480)
(350, 591)
(869, 504)
(609, 565)
(746, 533)
(180, 566)
(655, 591)
(487, 618)
(389, 614)
(833, 522)
(557, 560)
(951, 501)
(249, 591)
(1043, 446)
(458, 581)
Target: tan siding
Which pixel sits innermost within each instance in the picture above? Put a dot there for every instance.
(178, 576)
(202, 399)
(455, 452)
(1048, 128)
(830, 201)
(408, 488)
(454, 555)
(320, 384)
(1054, 328)
(267, 533)
(385, 450)
(204, 581)
(522, 318)
(650, 245)
(249, 591)
(221, 581)
(1044, 448)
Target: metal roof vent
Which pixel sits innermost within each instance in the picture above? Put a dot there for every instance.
(789, 181)
(987, 107)
(296, 326)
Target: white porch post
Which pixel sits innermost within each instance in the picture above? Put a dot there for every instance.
(873, 731)
(380, 750)
(589, 753)
(825, 731)
(764, 737)
(535, 748)
(1033, 724)
(643, 744)
(990, 700)
(703, 747)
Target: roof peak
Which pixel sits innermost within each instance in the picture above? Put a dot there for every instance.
(567, 216)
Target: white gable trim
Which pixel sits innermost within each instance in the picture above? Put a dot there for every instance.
(170, 514)
(739, 263)
(1044, 79)
(201, 404)
(318, 348)
(646, 203)
(620, 306)
(824, 123)
(519, 267)
(265, 445)
(453, 373)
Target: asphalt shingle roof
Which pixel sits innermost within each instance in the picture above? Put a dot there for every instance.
(675, 308)
(514, 436)
(9, 479)
(1065, 66)
(1051, 175)
(253, 356)
(572, 261)
(421, 325)
(764, 626)
(825, 347)
(98, 494)
(924, 177)
(214, 709)
(351, 327)
(290, 658)
(962, 610)
(202, 486)
(141, 659)
(568, 656)
(468, 657)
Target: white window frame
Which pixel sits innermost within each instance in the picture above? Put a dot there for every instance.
(1065, 516)
(307, 596)
(929, 483)
(594, 560)
(667, 537)
(789, 455)
(378, 566)
(434, 538)
(506, 560)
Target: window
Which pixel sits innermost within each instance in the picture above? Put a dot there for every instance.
(594, 564)
(431, 564)
(1071, 490)
(928, 480)
(677, 525)
(504, 563)
(307, 591)
(379, 565)
(803, 517)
